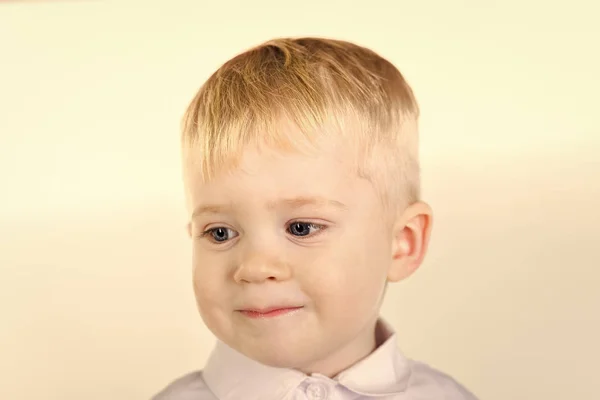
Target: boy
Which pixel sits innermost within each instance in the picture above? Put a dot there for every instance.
(302, 182)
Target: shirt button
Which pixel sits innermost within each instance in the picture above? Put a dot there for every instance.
(316, 391)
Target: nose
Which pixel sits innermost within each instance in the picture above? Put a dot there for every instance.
(260, 266)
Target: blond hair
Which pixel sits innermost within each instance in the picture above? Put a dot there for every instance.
(321, 86)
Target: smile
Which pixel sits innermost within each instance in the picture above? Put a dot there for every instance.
(269, 312)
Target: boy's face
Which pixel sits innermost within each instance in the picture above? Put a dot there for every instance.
(300, 234)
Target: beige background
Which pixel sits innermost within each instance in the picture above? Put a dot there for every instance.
(95, 293)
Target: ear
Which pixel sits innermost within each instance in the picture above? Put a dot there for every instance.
(411, 234)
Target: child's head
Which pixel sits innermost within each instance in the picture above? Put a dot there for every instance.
(301, 174)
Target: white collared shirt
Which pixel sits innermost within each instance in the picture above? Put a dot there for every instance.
(384, 374)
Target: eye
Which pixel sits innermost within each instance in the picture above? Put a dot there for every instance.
(219, 234)
(299, 228)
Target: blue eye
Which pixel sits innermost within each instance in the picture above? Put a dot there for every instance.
(304, 228)
(220, 234)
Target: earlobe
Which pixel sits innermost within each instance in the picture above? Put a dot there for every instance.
(410, 240)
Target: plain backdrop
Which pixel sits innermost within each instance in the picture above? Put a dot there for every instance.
(95, 278)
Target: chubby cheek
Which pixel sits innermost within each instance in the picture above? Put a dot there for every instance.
(208, 284)
(348, 282)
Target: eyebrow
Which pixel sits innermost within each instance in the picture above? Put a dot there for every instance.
(293, 202)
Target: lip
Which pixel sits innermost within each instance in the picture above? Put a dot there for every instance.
(270, 312)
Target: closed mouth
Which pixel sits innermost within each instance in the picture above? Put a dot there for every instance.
(269, 312)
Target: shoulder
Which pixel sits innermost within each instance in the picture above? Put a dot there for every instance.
(187, 387)
(436, 384)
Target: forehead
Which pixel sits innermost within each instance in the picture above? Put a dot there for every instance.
(268, 175)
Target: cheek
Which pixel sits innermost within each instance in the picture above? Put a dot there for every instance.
(364, 276)
(208, 280)
(353, 270)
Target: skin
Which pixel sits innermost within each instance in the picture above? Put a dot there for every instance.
(298, 230)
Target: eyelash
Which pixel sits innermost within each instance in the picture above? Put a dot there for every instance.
(320, 228)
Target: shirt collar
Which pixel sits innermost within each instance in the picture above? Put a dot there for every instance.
(231, 375)
(383, 372)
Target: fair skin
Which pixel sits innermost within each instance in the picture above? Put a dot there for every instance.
(298, 231)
